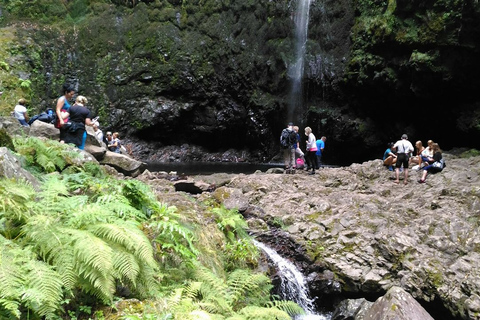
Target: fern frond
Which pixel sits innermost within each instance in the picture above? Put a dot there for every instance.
(11, 307)
(230, 222)
(11, 276)
(174, 237)
(289, 307)
(44, 288)
(128, 235)
(16, 198)
(243, 283)
(120, 205)
(259, 313)
(211, 280)
(125, 265)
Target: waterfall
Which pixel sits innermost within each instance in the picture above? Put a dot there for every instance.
(293, 284)
(295, 70)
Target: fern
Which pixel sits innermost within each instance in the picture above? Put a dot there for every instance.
(127, 235)
(44, 288)
(48, 155)
(231, 223)
(25, 280)
(11, 280)
(260, 313)
(16, 199)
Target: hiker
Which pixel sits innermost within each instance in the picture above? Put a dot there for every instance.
(320, 146)
(20, 112)
(79, 116)
(62, 108)
(311, 156)
(98, 132)
(288, 141)
(438, 163)
(298, 151)
(114, 144)
(389, 157)
(403, 148)
(417, 158)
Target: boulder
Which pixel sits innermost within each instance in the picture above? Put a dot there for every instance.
(96, 151)
(13, 127)
(123, 164)
(397, 304)
(45, 130)
(11, 168)
(191, 186)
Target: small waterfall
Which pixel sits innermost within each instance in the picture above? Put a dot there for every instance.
(293, 284)
(295, 70)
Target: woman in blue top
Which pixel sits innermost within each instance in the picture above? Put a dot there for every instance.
(62, 106)
(389, 158)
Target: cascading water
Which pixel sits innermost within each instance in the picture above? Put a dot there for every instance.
(295, 70)
(293, 284)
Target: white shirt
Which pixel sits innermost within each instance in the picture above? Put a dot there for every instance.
(19, 112)
(403, 146)
(99, 135)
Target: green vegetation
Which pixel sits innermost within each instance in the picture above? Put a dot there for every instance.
(75, 245)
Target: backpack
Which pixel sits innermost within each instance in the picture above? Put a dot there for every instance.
(288, 138)
(300, 163)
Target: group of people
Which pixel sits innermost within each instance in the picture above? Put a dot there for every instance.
(402, 154)
(290, 140)
(71, 121)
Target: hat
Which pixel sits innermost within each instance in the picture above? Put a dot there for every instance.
(290, 123)
(109, 133)
(404, 136)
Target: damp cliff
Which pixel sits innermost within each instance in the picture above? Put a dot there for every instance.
(208, 80)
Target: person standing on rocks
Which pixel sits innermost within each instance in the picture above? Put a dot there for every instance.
(320, 147)
(404, 148)
(311, 150)
(288, 141)
(62, 108)
(298, 151)
(79, 117)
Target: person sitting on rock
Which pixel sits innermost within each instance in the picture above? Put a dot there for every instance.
(427, 155)
(389, 157)
(433, 168)
(114, 144)
(98, 133)
(417, 158)
(20, 112)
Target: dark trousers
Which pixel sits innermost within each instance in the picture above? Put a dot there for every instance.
(311, 158)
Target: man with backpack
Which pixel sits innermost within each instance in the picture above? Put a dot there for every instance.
(288, 141)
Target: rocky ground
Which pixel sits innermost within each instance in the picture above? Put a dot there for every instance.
(352, 228)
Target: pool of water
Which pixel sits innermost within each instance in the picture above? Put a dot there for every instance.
(194, 168)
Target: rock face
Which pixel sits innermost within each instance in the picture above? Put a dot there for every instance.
(353, 228)
(189, 81)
